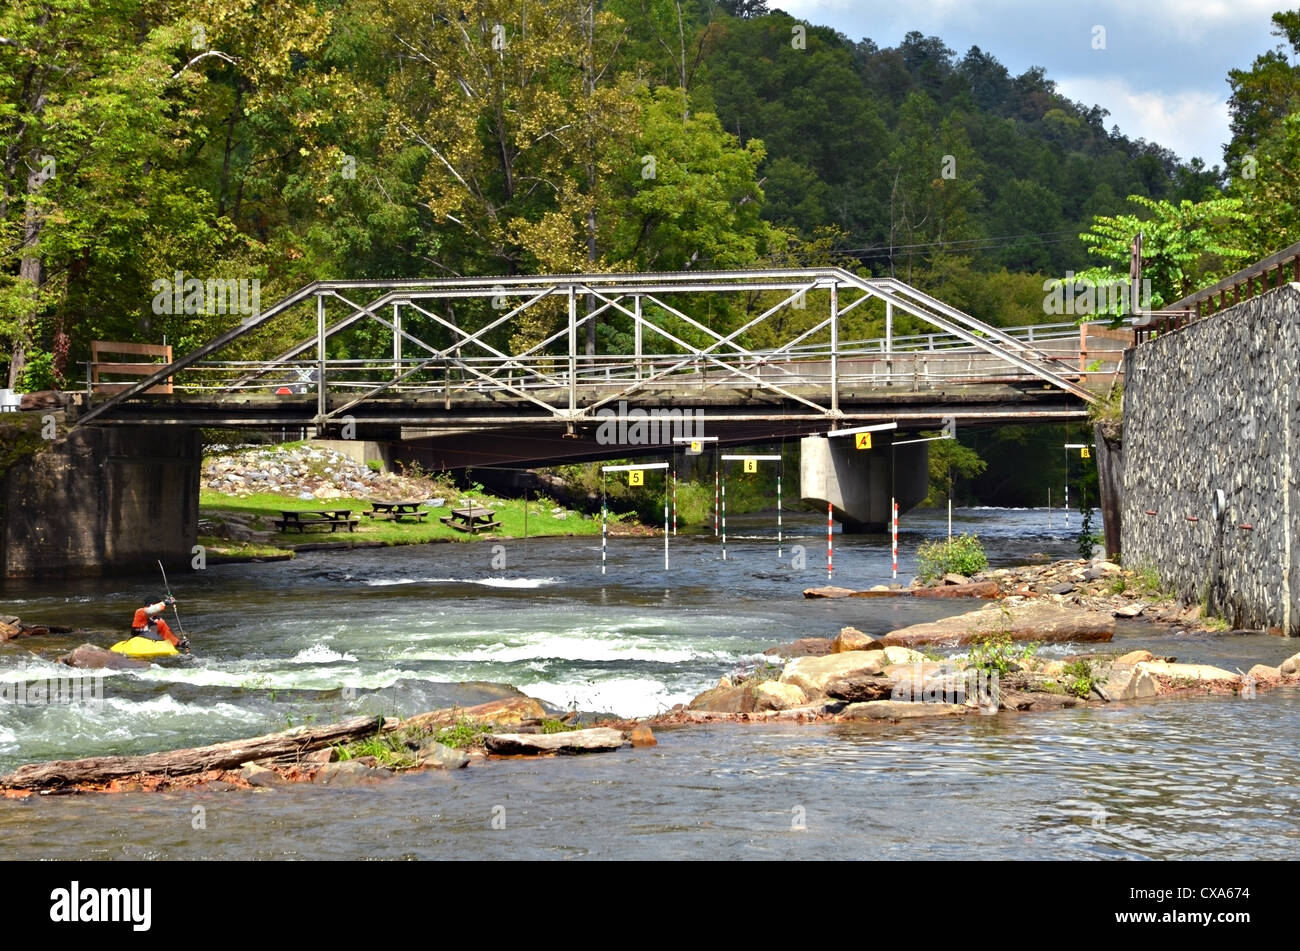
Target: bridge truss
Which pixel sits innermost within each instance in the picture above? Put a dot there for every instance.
(668, 351)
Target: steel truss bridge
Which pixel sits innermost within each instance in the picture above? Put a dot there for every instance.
(446, 365)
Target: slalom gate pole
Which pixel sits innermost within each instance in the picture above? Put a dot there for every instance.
(830, 546)
(604, 523)
(893, 508)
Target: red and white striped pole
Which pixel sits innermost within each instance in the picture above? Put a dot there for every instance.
(830, 546)
(893, 508)
(674, 503)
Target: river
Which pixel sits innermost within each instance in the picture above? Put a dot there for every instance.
(400, 630)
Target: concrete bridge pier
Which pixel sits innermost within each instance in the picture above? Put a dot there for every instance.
(101, 501)
(859, 483)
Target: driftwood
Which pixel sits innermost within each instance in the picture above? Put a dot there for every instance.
(1045, 623)
(102, 769)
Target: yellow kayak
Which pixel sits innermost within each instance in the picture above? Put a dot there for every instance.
(144, 647)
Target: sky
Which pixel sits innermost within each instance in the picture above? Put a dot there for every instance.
(1162, 73)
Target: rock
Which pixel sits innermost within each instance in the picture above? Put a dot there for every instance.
(1028, 621)
(1053, 668)
(1262, 673)
(1134, 657)
(1198, 672)
(319, 756)
(1128, 682)
(976, 589)
(953, 578)
(803, 647)
(642, 735)
(857, 688)
(725, 699)
(828, 591)
(851, 639)
(1131, 610)
(1291, 666)
(256, 775)
(9, 628)
(812, 674)
(594, 740)
(90, 657)
(773, 695)
(902, 655)
(896, 710)
(348, 773)
(440, 756)
(1107, 567)
(1064, 587)
(507, 712)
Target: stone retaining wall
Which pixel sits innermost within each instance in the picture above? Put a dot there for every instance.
(1214, 408)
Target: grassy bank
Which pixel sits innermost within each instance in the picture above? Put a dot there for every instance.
(259, 512)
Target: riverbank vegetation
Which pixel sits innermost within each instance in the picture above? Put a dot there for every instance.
(685, 138)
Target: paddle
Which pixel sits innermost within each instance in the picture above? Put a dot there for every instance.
(168, 588)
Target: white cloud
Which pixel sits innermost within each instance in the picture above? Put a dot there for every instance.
(1190, 122)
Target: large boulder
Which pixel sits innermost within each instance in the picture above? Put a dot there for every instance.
(857, 688)
(594, 740)
(851, 639)
(90, 657)
(899, 710)
(1291, 666)
(803, 647)
(435, 755)
(1128, 682)
(506, 712)
(812, 674)
(1182, 672)
(773, 695)
(725, 698)
(1031, 621)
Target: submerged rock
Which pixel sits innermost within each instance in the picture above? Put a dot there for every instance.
(642, 735)
(899, 710)
(90, 657)
(803, 647)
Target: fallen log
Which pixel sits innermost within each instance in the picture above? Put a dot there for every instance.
(1042, 622)
(98, 770)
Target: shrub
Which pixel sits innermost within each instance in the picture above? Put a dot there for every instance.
(374, 465)
(997, 653)
(963, 555)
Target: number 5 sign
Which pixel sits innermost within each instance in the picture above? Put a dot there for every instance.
(636, 477)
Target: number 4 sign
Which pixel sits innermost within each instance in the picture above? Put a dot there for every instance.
(862, 440)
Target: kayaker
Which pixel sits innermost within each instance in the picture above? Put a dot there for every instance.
(147, 623)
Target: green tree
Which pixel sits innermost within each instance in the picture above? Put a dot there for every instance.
(950, 461)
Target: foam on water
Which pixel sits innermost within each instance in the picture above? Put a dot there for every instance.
(320, 654)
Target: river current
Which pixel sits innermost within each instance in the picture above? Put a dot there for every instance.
(401, 630)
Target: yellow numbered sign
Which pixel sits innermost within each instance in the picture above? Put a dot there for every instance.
(1084, 453)
(862, 440)
(697, 446)
(751, 465)
(636, 477)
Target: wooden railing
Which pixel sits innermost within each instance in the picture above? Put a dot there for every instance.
(98, 366)
(1270, 273)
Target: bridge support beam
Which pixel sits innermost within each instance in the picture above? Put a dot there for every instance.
(102, 501)
(859, 483)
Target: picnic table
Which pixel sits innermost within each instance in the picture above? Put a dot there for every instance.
(474, 519)
(303, 520)
(396, 510)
